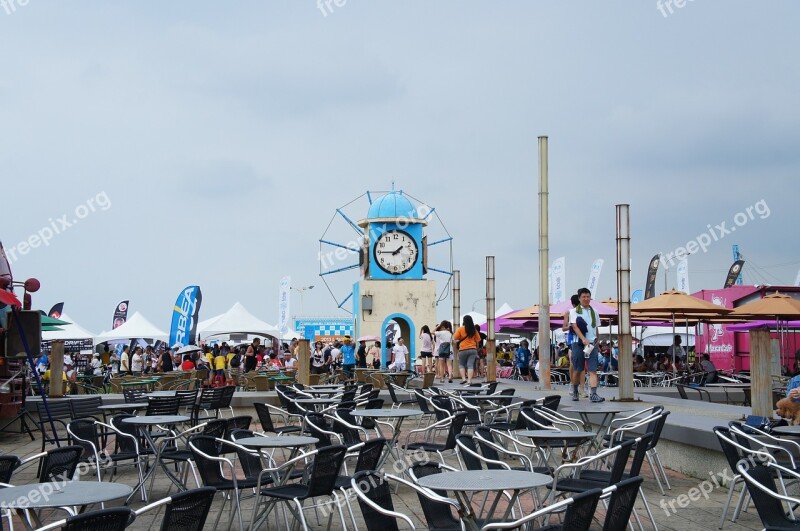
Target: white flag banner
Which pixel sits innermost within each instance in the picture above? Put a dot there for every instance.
(683, 276)
(284, 297)
(797, 280)
(594, 276)
(558, 281)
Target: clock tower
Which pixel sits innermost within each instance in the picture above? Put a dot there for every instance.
(393, 287)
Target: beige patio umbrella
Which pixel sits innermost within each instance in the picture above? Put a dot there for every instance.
(526, 314)
(672, 305)
(781, 307)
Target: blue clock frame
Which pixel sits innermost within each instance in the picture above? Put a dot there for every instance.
(414, 230)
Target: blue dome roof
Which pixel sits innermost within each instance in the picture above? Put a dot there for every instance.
(392, 205)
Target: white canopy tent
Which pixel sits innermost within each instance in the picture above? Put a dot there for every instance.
(663, 336)
(69, 332)
(136, 327)
(237, 320)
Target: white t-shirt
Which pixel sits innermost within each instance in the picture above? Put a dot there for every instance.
(137, 363)
(427, 343)
(442, 336)
(399, 354)
(290, 363)
(124, 362)
(586, 314)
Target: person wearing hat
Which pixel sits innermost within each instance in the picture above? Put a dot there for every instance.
(348, 357)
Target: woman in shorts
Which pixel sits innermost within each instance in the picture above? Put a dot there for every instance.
(443, 337)
(426, 352)
(469, 338)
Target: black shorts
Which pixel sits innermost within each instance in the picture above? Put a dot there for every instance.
(426, 354)
(524, 371)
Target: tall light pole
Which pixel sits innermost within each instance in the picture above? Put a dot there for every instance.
(476, 302)
(300, 291)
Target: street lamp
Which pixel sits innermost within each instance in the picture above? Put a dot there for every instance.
(300, 291)
(476, 302)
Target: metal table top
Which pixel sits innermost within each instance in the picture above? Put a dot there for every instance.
(555, 435)
(59, 494)
(313, 401)
(122, 407)
(156, 394)
(284, 441)
(485, 480)
(787, 430)
(385, 413)
(152, 420)
(602, 408)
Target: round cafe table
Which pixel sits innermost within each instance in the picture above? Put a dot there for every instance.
(143, 423)
(399, 415)
(61, 495)
(463, 482)
(546, 439)
(792, 431)
(608, 410)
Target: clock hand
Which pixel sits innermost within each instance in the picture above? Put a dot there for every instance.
(398, 250)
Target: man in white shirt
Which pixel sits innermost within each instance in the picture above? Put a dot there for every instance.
(124, 362)
(289, 361)
(399, 353)
(584, 322)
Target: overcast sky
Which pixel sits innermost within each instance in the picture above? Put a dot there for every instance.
(210, 143)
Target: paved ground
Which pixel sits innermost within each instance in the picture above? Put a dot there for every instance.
(675, 511)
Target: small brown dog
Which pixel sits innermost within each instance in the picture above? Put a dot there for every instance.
(788, 409)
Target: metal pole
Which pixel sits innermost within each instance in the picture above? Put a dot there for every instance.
(544, 262)
(491, 363)
(456, 317)
(625, 358)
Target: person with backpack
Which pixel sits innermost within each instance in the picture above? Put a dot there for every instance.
(522, 359)
(443, 338)
(584, 322)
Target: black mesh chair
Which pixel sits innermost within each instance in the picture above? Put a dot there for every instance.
(115, 519)
(399, 402)
(185, 511)
(441, 512)
(188, 398)
(226, 398)
(87, 407)
(136, 395)
(578, 512)
(623, 496)
(209, 400)
(57, 464)
(8, 463)
(60, 414)
(265, 411)
(733, 452)
(760, 481)
(452, 424)
(241, 422)
(163, 405)
(87, 433)
(566, 478)
(551, 402)
(320, 482)
(606, 477)
(249, 460)
(180, 454)
(211, 465)
(369, 457)
(375, 499)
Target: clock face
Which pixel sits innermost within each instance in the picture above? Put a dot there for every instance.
(396, 252)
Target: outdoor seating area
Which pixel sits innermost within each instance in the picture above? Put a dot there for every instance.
(349, 456)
